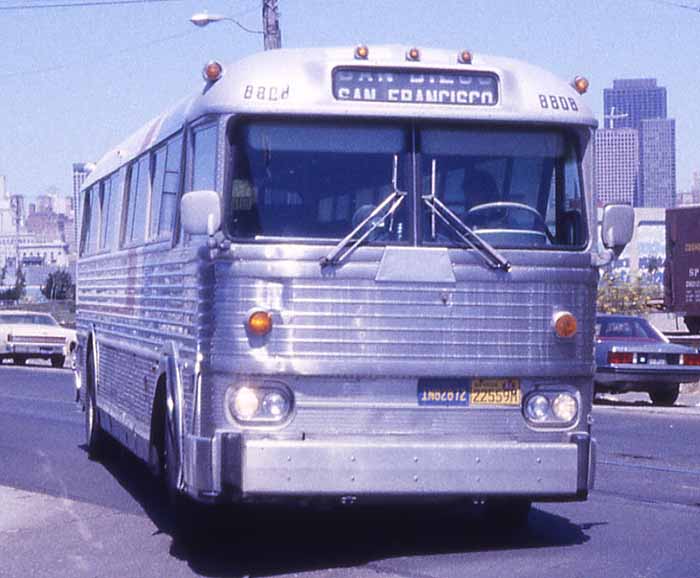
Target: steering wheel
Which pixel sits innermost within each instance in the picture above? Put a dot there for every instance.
(505, 207)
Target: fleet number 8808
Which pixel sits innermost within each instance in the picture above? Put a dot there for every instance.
(558, 102)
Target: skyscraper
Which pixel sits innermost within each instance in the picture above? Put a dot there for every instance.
(617, 165)
(633, 100)
(639, 104)
(658, 162)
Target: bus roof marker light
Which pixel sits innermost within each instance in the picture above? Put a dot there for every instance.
(213, 71)
(580, 84)
(465, 57)
(362, 52)
(413, 54)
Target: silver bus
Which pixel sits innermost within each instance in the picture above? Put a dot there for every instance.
(350, 274)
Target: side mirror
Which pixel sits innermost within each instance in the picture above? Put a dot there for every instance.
(618, 227)
(200, 212)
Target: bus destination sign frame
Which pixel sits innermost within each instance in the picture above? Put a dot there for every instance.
(411, 86)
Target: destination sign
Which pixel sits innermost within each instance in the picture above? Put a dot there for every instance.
(469, 88)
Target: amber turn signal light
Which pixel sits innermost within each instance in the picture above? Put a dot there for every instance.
(260, 322)
(565, 324)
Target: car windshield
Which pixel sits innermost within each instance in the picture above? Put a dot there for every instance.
(26, 319)
(316, 180)
(627, 328)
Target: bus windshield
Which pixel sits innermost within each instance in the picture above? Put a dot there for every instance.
(315, 180)
(514, 188)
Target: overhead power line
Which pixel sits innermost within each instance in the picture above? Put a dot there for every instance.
(693, 7)
(79, 4)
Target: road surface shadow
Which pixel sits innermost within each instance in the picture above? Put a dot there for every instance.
(276, 539)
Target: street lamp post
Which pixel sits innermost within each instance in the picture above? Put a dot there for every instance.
(271, 30)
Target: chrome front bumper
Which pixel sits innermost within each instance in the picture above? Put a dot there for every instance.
(362, 466)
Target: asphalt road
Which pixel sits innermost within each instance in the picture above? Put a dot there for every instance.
(63, 515)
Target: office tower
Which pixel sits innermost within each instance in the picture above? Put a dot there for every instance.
(640, 104)
(617, 165)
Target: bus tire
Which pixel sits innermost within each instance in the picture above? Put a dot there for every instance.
(94, 435)
(58, 361)
(19, 360)
(666, 396)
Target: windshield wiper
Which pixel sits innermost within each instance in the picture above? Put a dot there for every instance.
(438, 209)
(375, 219)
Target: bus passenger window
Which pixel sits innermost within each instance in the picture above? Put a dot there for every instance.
(91, 222)
(204, 165)
(137, 202)
(166, 188)
(106, 204)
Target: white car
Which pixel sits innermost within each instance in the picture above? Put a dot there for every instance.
(29, 335)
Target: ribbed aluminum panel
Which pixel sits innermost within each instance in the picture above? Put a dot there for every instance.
(483, 324)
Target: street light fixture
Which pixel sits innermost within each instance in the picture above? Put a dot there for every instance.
(202, 19)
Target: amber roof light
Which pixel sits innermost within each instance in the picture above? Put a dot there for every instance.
(580, 84)
(213, 71)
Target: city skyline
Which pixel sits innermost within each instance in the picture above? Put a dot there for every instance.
(99, 73)
(636, 117)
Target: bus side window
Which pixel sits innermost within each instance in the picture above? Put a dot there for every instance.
(106, 205)
(137, 202)
(91, 221)
(204, 151)
(166, 189)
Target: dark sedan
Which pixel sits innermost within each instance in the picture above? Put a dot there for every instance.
(632, 355)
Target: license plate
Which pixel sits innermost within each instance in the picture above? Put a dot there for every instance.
(495, 392)
(657, 361)
(463, 393)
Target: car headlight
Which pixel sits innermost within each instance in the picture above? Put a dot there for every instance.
(263, 405)
(551, 408)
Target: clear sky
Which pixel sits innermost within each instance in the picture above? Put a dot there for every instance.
(74, 81)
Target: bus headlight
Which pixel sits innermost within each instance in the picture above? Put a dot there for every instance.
(245, 404)
(565, 407)
(264, 405)
(551, 408)
(537, 407)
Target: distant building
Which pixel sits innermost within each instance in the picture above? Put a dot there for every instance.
(640, 104)
(691, 197)
(7, 220)
(80, 173)
(617, 165)
(632, 100)
(658, 163)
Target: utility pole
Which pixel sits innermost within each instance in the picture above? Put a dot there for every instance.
(271, 25)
